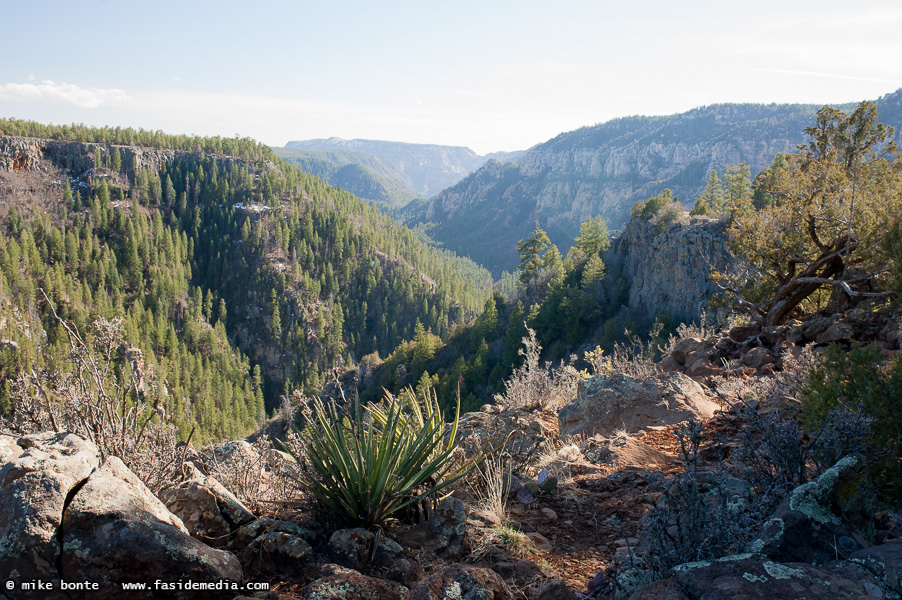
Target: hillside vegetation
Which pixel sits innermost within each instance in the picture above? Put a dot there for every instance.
(235, 275)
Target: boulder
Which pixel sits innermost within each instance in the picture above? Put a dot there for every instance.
(835, 333)
(276, 553)
(389, 556)
(686, 347)
(822, 519)
(462, 582)
(757, 358)
(703, 367)
(351, 585)
(352, 548)
(115, 530)
(248, 533)
(885, 562)
(556, 590)
(605, 404)
(520, 431)
(750, 578)
(623, 451)
(445, 533)
(209, 511)
(37, 475)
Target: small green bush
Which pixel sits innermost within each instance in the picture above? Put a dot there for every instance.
(861, 380)
(368, 464)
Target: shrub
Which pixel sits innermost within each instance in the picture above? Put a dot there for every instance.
(861, 381)
(695, 519)
(366, 465)
(534, 386)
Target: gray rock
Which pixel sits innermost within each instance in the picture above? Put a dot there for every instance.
(352, 548)
(835, 333)
(751, 578)
(37, 475)
(115, 530)
(444, 534)
(523, 436)
(556, 590)
(275, 552)
(462, 582)
(822, 518)
(248, 533)
(354, 586)
(209, 511)
(605, 404)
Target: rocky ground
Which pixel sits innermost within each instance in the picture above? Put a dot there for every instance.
(579, 481)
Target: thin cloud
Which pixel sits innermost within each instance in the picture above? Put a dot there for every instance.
(67, 92)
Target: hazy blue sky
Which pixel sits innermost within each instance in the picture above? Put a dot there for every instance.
(489, 75)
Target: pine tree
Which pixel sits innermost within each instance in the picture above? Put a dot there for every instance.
(531, 250)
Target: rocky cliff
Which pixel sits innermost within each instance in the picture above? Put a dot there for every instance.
(606, 168)
(668, 270)
(77, 158)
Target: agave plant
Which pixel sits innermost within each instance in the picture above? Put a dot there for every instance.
(366, 466)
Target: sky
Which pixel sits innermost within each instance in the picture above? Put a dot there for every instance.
(490, 75)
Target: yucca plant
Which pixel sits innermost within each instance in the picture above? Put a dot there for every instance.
(366, 466)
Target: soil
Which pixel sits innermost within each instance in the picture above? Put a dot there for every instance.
(581, 526)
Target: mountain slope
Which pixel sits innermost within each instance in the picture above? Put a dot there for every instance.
(605, 169)
(370, 178)
(426, 168)
(234, 274)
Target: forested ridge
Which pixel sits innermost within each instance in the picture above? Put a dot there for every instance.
(236, 275)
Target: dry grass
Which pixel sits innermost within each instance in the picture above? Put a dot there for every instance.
(492, 491)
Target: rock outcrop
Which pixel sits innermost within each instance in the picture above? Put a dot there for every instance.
(605, 404)
(667, 271)
(208, 510)
(465, 582)
(76, 158)
(38, 475)
(116, 530)
(65, 517)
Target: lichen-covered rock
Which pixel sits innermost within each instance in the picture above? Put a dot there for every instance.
(449, 524)
(462, 582)
(829, 515)
(605, 404)
(352, 548)
(444, 534)
(885, 562)
(750, 578)
(37, 475)
(354, 586)
(115, 530)
(275, 552)
(209, 511)
(390, 558)
(248, 533)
